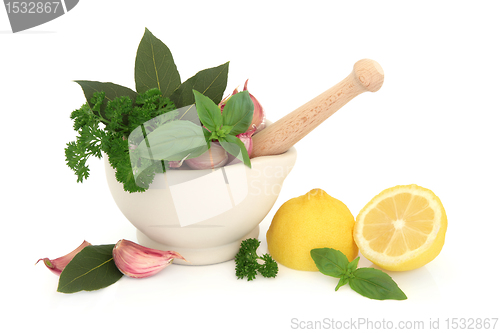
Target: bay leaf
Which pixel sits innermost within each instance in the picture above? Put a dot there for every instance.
(155, 66)
(210, 82)
(111, 91)
(91, 269)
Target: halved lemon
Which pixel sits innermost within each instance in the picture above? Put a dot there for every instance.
(402, 228)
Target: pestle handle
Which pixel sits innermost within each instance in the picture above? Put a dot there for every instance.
(280, 136)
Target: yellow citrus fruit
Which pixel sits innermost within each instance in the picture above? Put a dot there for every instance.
(402, 228)
(313, 220)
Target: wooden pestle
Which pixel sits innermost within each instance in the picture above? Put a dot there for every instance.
(277, 138)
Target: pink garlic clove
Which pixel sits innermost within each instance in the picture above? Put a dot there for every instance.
(57, 265)
(174, 164)
(246, 138)
(138, 261)
(215, 157)
(177, 164)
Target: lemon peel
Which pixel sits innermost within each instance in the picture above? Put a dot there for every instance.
(313, 220)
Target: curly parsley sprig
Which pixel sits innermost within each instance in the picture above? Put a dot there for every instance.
(108, 133)
(247, 261)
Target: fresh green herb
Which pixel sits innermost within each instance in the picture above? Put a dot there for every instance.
(155, 66)
(173, 141)
(235, 147)
(238, 113)
(92, 268)
(110, 90)
(247, 261)
(211, 82)
(114, 113)
(209, 114)
(235, 119)
(368, 282)
(120, 117)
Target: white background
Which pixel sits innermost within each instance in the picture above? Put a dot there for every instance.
(434, 123)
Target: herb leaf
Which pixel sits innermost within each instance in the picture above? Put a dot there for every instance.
(330, 262)
(210, 115)
(91, 269)
(155, 67)
(247, 261)
(88, 141)
(353, 265)
(211, 82)
(235, 147)
(375, 284)
(238, 112)
(368, 282)
(110, 90)
(119, 116)
(173, 141)
(342, 282)
(208, 112)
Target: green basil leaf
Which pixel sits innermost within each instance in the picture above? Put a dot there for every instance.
(375, 284)
(330, 262)
(173, 141)
(155, 67)
(210, 82)
(207, 136)
(208, 112)
(91, 269)
(226, 129)
(353, 265)
(235, 147)
(111, 91)
(238, 112)
(342, 282)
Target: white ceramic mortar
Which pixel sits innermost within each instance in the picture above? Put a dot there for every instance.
(204, 214)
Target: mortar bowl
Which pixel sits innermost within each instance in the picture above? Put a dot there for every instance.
(204, 214)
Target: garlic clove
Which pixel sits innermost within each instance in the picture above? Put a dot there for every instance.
(246, 138)
(57, 265)
(177, 164)
(215, 157)
(174, 164)
(138, 261)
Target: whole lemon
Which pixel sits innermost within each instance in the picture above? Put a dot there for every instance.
(313, 220)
